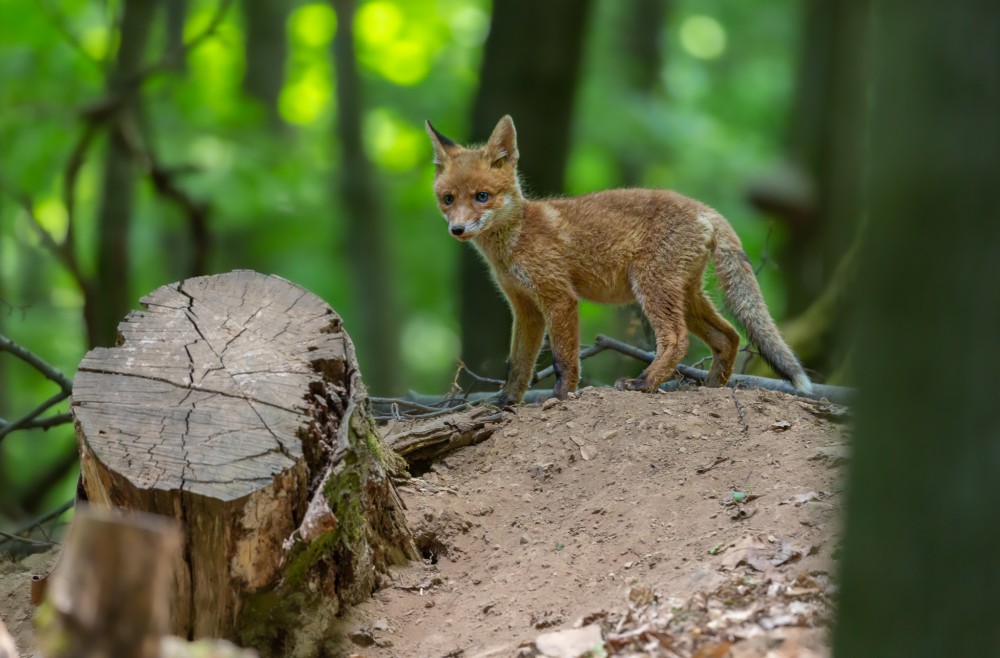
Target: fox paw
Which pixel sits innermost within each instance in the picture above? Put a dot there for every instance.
(637, 384)
(500, 399)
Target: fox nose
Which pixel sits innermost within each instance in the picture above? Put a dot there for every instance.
(457, 230)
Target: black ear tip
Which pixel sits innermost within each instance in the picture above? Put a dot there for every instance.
(441, 138)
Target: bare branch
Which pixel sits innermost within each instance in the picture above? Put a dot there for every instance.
(37, 522)
(764, 253)
(24, 420)
(26, 540)
(74, 164)
(585, 353)
(43, 424)
(36, 362)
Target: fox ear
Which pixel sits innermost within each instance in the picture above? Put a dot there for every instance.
(502, 145)
(443, 147)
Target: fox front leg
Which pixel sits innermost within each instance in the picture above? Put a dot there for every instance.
(564, 336)
(525, 343)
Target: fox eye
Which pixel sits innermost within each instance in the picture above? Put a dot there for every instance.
(448, 199)
(482, 197)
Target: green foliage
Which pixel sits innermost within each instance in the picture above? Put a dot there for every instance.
(713, 123)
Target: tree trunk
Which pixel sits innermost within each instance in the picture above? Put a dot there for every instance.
(531, 64)
(367, 240)
(235, 404)
(919, 576)
(821, 198)
(641, 62)
(111, 298)
(265, 51)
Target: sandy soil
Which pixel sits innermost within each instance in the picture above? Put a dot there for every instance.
(696, 523)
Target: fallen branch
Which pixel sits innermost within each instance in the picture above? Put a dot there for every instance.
(424, 442)
(837, 394)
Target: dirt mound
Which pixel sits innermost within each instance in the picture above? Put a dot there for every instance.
(692, 523)
(572, 513)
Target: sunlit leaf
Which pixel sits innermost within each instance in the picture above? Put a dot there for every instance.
(313, 24)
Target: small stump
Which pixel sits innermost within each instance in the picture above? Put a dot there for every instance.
(234, 404)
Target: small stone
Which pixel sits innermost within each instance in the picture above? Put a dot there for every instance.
(551, 402)
(524, 539)
(512, 432)
(610, 434)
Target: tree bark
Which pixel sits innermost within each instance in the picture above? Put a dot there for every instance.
(530, 69)
(265, 51)
(367, 240)
(235, 404)
(917, 576)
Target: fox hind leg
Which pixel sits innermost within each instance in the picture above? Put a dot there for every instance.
(663, 302)
(704, 321)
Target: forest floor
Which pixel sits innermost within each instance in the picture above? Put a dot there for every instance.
(696, 523)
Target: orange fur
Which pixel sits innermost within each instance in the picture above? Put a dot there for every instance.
(613, 247)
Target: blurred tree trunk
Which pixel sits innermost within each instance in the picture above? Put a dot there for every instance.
(919, 575)
(820, 198)
(176, 17)
(111, 298)
(530, 69)
(642, 60)
(367, 240)
(265, 50)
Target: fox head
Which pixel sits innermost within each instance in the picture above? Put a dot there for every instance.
(477, 187)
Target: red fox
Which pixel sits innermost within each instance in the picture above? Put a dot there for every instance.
(614, 247)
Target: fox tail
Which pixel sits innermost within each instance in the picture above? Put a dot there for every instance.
(745, 301)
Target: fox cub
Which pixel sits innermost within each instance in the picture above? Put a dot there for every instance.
(616, 246)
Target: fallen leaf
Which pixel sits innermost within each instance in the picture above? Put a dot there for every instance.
(801, 499)
(713, 650)
(572, 643)
(750, 551)
(640, 596)
(835, 454)
(788, 553)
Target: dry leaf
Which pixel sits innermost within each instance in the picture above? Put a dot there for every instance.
(713, 651)
(788, 553)
(750, 551)
(570, 643)
(835, 454)
(801, 499)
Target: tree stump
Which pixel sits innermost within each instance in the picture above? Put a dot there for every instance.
(109, 594)
(234, 403)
